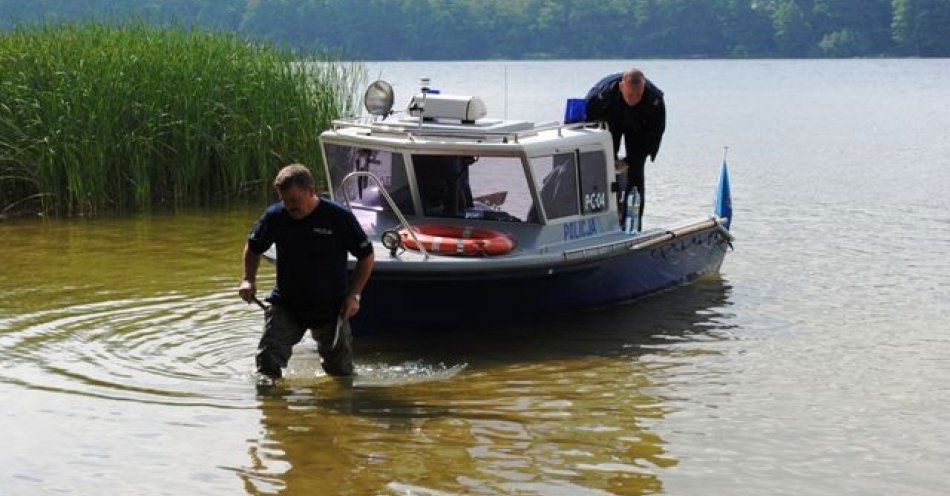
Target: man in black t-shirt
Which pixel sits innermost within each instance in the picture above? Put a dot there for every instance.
(313, 238)
(634, 109)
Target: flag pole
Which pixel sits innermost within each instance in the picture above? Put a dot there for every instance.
(723, 208)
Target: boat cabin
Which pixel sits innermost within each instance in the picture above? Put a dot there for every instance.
(552, 183)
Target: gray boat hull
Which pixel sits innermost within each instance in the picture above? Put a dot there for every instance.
(411, 297)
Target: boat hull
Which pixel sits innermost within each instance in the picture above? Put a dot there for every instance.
(395, 300)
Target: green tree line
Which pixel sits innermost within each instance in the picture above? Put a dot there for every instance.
(485, 29)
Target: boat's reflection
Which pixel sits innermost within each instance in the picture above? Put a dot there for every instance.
(696, 310)
(557, 406)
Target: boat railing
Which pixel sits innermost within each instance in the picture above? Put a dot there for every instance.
(412, 132)
(651, 241)
(379, 184)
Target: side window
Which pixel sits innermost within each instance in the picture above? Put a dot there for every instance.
(363, 192)
(473, 187)
(594, 186)
(558, 189)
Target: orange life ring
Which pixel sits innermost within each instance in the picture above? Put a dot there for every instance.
(456, 240)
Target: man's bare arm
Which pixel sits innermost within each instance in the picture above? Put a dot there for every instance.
(364, 268)
(248, 287)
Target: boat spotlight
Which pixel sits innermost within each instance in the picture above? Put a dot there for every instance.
(378, 98)
(392, 242)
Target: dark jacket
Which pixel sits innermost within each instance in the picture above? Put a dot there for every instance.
(641, 126)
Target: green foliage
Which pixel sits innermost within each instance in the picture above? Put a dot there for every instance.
(113, 115)
(793, 31)
(843, 43)
(100, 118)
(480, 29)
(920, 27)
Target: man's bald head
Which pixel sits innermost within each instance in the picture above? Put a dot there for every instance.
(632, 85)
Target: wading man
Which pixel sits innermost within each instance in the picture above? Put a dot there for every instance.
(313, 238)
(633, 108)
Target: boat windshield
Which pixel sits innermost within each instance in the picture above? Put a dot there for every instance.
(362, 192)
(473, 187)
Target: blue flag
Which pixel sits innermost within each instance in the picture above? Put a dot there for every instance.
(723, 196)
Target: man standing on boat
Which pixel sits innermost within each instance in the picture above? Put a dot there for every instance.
(633, 108)
(313, 238)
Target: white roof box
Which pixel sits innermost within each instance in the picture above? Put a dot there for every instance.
(438, 106)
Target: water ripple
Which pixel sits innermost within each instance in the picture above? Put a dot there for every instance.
(171, 348)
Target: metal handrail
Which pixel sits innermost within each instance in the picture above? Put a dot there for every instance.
(389, 199)
(661, 237)
(460, 133)
(712, 221)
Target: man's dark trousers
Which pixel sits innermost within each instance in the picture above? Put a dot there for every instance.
(284, 327)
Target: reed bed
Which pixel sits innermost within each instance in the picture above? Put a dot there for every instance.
(102, 118)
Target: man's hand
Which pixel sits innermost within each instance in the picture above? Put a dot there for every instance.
(351, 306)
(247, 290)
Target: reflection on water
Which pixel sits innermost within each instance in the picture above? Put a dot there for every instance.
(562, 411)
(117, 315)
(138, 309)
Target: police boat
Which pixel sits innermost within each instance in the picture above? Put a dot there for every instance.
(475, 219)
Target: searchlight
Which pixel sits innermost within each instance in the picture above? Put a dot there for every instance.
(379, 98)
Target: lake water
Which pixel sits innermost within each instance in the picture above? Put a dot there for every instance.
(817, 363)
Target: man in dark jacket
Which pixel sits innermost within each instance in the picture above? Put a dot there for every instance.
(633, 108)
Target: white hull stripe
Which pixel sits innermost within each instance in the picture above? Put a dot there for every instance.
(460, 246)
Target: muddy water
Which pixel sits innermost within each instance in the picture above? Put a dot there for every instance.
(128, 365)
(816, 364)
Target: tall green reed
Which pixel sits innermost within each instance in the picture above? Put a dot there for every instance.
(97, 118)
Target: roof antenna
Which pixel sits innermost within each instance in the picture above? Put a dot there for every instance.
(506, 92)
(424, 88)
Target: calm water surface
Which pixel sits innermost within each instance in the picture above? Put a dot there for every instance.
(817, 363)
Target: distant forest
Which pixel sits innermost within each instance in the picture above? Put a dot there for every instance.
(517, 29)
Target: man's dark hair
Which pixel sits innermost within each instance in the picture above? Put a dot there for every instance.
(635, 76)
(294, 175)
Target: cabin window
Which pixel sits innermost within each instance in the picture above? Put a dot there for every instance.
(557, 175)
(594, 187)
(363, 192)
(472, 187)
